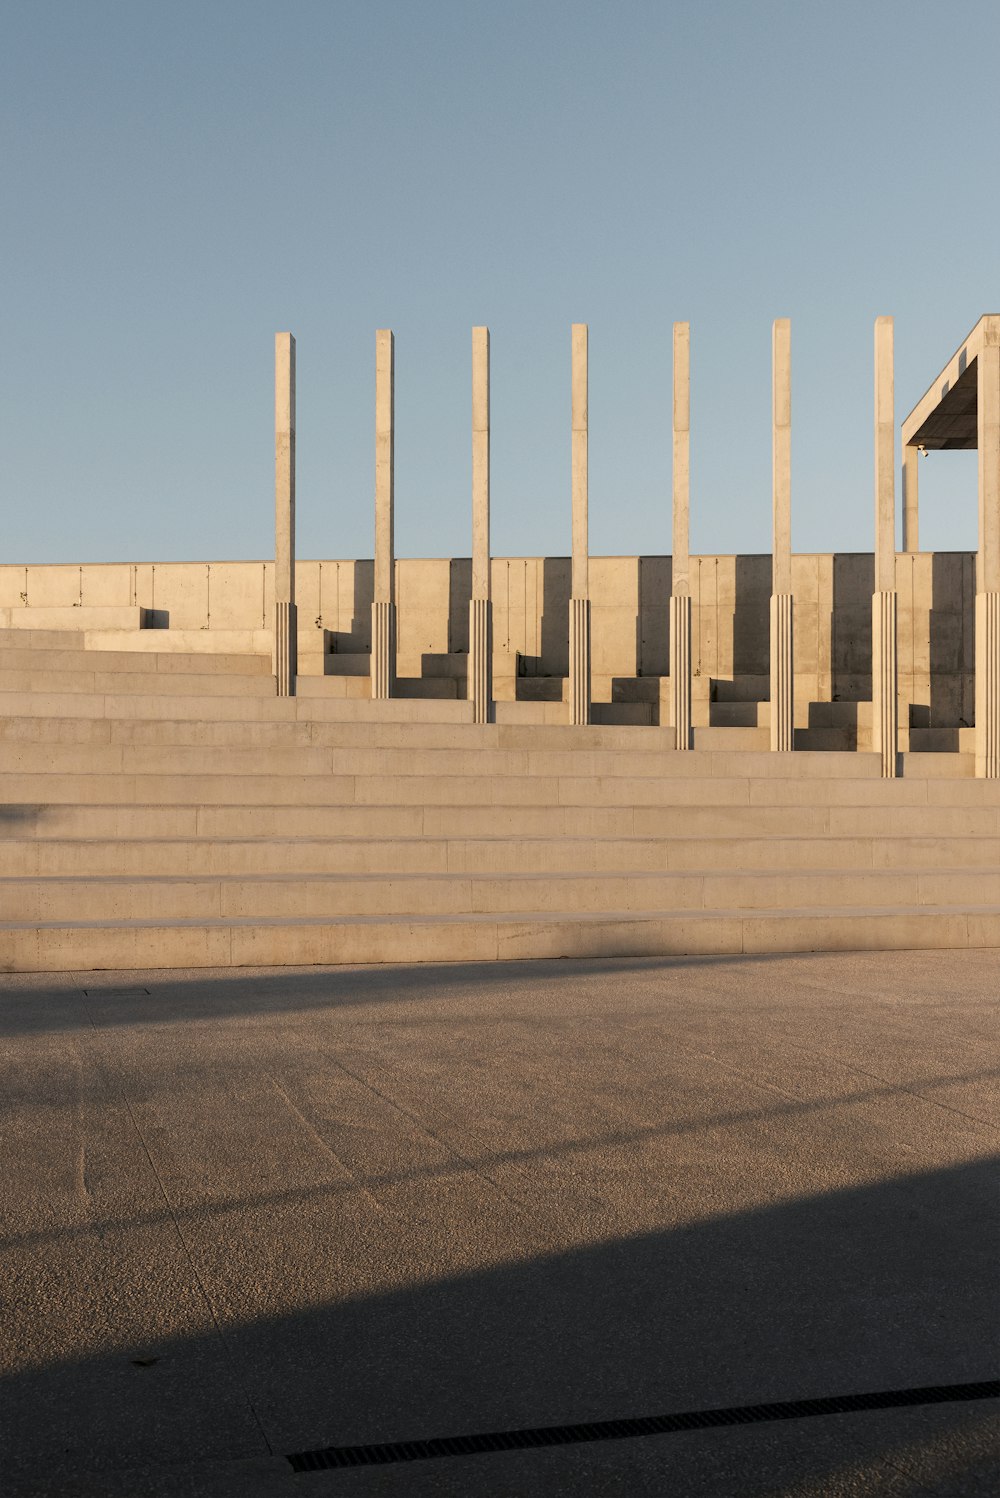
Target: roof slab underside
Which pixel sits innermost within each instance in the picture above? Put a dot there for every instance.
(947, 416)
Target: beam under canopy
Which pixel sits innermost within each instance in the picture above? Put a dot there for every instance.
(946, 416)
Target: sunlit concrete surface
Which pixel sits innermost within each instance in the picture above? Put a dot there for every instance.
(252, 1213)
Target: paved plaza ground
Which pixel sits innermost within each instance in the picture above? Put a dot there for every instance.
(253, 1213)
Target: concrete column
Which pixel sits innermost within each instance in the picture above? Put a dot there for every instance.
(911, 534)
(680, 599)
(579, 606)
(481, 607)
(885, 667)
(988, 557)
(384, 605)
(782, 608)
(285, 627)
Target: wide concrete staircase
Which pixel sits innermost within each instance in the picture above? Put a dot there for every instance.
(167, 809)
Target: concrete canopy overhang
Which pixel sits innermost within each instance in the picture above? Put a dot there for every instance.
(946, 416)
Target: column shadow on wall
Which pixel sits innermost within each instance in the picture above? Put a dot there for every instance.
(459, 599)
(540, 677)
(636, 699)
(835, 724)
(851, 627)
(446, 674)
(752, 621)
(358, 639)
(733, 700)
(952, 646)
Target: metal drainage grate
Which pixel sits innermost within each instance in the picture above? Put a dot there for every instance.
(115, 993)
(617, 1430)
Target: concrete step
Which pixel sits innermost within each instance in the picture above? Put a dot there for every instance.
(119, 703)
(843, 740)
(594, 749)
(206, 643)
(927, 824)
(94, 677)
(840, 714)
(65, 947)
(960, 766)
(531, 714)
(122, 754)
(436, 688)
(39, 659)
(738, 713)
(176, 856)
(942, 742)
(265, 896)
(355, 688)
(452, 663)
(646, 689)
(643, 713)
(348, 663)
(43, 639)
(743, 688)
(722, 738)
(74, 618)
(282, 787)
(407, 687)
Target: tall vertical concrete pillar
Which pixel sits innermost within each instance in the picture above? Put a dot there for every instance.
(988, 556)
(384, 604)
(481, 606)
(911, 532)
(782, 658)
(285, 628)
(579, 603)
(680, 591)
(885, 665)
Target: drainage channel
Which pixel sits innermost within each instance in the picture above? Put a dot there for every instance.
(328, 1457)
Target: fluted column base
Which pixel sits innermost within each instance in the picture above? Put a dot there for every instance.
(383, 650)
(579, 660)
(680, 670)
(885, 676)
(481, 659)
(988, 685)
(285, 648)
(782, 673)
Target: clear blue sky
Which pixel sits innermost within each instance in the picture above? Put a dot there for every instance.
(181, 180)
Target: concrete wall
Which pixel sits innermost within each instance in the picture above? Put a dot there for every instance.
(630, 619)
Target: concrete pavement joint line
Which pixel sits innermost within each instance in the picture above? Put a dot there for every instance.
(185, 1248)
(422, 1128)
(324, 1145)
(893, 1088)
(457, 1163)
(647, 1425)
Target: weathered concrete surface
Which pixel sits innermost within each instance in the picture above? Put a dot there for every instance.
(630, 596)
(372, 1204)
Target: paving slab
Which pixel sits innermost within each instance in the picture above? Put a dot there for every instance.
(256, 1212)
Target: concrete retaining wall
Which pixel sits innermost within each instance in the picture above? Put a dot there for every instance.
(630, 618)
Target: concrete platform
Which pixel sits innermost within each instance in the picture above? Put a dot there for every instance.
(169, 808)
(75, 618)
(250, 1214)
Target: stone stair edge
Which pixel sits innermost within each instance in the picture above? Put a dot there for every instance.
(578, 876)
(42, 659)
(510, 917)
(518, 838)
(613, 738)
(123, 756)
(327, 941)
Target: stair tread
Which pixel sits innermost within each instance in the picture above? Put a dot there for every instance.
(507, 917)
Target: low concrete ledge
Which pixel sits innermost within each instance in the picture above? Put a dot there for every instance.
(83, 946)
(177, 641)
(75, 618)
